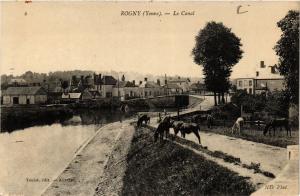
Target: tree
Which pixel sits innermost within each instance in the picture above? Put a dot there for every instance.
(287, 48)
(217, 49)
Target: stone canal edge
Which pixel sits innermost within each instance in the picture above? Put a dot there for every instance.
(90, 160)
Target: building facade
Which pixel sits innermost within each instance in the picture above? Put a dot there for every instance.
(245, 84)
(24, 95)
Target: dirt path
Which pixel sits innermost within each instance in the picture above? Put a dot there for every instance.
(88, 165)
(272, 159)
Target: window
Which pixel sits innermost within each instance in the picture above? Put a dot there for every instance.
(108, 94)
(250, 82)
(240, 83)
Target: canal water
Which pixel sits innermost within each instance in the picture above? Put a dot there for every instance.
(32, 157)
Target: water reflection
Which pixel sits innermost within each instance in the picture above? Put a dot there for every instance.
(79, 117)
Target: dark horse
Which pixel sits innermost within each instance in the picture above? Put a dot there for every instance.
(144, 118)
(176, 126)
(187, 128)
(274, 123)
(163, 127)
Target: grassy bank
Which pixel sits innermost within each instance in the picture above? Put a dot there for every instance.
(169, 169)
(280, 139)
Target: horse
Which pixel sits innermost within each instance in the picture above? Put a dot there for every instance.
(187, 128)
(162, 128)
(237, 125)
(144, 118)
(176, 126)
(210, 120)
(274, 123)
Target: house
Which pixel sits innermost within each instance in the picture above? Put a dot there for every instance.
(267, 78)
(198, 87)
(172, 88)
(268, 84)
(150, 89)
(55, 94)
(118, 90)
(131, 90)
(126, 90)
(71, 96)
(245, 84)
(183, 83)
(258, 86)
(24, 95)
(108, 83)
(17, 82)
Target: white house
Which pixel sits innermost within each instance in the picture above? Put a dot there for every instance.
(24, 95)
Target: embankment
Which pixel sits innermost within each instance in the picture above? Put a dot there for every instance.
(169, 169)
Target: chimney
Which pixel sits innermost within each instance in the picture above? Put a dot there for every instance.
(166, 79)
(133, 82)
(141, 82)
(158, 82)
(146, 79)
(262, 64)
(95, 78)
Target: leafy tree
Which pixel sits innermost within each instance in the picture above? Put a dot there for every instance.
(217, 49)
(287, 49)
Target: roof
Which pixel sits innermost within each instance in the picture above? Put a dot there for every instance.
(74, 95)
(109, 80)
(198, 86)
(25, 90)
(178, 80)
(149, 84)
(120, 84)
(172, 86)
(130, 84)
(17, 80)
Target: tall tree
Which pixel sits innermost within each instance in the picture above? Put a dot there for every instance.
(287, 48)
(217, 49)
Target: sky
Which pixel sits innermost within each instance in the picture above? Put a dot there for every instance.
(58, 36)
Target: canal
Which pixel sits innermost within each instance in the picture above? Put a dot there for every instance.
(32, 157)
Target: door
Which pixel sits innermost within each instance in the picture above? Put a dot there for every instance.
(15, 100)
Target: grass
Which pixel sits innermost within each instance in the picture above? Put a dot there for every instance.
(169, 169)
(226, 157)
(255, 135)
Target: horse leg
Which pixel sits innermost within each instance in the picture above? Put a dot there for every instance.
(183, 135)
(288, 129)
(232, 129)
(197, 135)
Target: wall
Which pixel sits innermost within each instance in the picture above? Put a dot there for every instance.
(272, 84)
(40, 99)
(105, 89)
(6, 100)
(246, 83)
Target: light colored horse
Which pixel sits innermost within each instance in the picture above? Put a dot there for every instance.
(237, 125)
